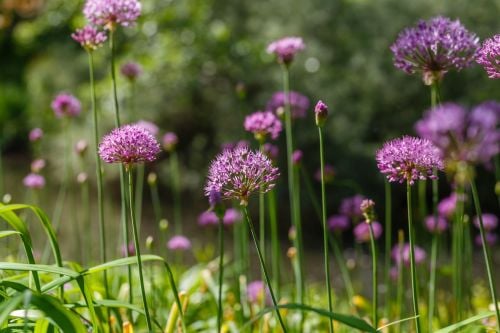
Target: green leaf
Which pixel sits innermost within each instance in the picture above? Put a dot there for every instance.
(465, 322)
(38, 268)
(6, 307)
(121, 262)
(8, 233)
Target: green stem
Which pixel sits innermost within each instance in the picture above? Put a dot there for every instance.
(155, 197)
(414, 284)
(275, 241)
(374, 275)
(486, 251)
(264, 269)
(174, 168)
(113, 77)
(138, 249)
(139, 190)
(422, 204)
(457, 251)
(221, 274)
(339, 258)
(325, 228)
(388, 241)
(1, 170)
(400, 282)
(432, 278)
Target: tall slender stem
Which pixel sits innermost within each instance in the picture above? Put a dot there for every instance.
(325, 229)
(414, 284)
(400, 282)
(139, 190)
(388, 241)
(374, 275)
(457, 247)
(1, 168)
(221, 274)
(174, 168)
(113, 77)
(275, 241)
(486, 251)
(432, 278)
(137, 248)
(264, 269)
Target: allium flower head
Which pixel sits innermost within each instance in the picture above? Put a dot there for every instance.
(129, 144)
(232, 216)
(489, 56)
(434, 47)
(490, 221)
(408, 159)
(447, 206)
(262, 124)
(351, 206)
(34, 181)
(36, 134)
(128, 250)
(329, 173)
(491, 239)
(179, 243)
(208, 218)
(38, 165)
(321, 112)
(438, 225)
(170, 141)
(286, 48)
(255, 291)
(148, 126)
(270, 150)
(109, 13)
(298, 104)
(362, 231)
(239, 172)
(297, 156)
(66, 105)
(89, 37)
(131, 70)
(403, 255)
(338, 222)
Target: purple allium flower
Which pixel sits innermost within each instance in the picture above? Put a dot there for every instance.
(89, 37)
(34, 181)
(434, 47)
(338, 222)
(491, 239)
(36, 134)
(239, 172)
(321, 112)
(362, 231)
(81, 147)
(394, 273)
(270, 150)
(351, 206)
(255, 291)
(489, 56)
(179, 243)
(438, 225)
(66, 105)
(286, 48)
(128, 251)
(109, 13)
(129, 144)
(472, 137)
(446, 207)
(297, 156)
(148, 126)
(208, 218)
(298, 104)
(232, 216)
(408, 159)
(131, 70)
(329, 171)
(403, 254)
(170, 141)
(262, 124)
(490, 221)
(38, 165)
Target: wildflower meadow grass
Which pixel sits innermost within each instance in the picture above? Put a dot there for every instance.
(131, 262)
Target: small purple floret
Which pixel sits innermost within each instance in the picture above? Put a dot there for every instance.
(489, 56)
(66, 105)
(362, 231)
(338, 223)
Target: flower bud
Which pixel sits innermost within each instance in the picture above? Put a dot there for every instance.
(152, 178)
(163, 224)
(321, 111)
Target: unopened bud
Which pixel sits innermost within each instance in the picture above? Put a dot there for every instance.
(150, 242)
(321, 111)
(291, 253)
(152, 178)
(163, 224)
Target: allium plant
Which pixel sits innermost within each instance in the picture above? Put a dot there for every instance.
(434, 47)
(362, 231)
(338, 223)
(263, 124)
(351, 206)
(298, 104)
(434, 225)
(169, 141)
(403, 257)
(179, 242)
(34, 181)
(109, 13)
(66, 105)
(35, 134)
(286, 48)
(488, 56)
(89, 38)
(131, 70)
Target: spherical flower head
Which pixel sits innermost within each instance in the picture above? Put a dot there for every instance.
(179, 242)
(488, 56)
(37, 165)
(263, 124)
(239, 172)
(148, 126)
(232, 216)
(286, 48)
(89, 38)
(436, 225)
(270, 150)
(34, 181)
(131, 70)
(129, 144)
(169, 141)
(36, 134)
(403, 254)
(338, 223)
(298, 104)
(490, 221)
(362, 231)
(81, 147)
(256, 291)
(208, 218)
(66, 105)
(128, 250)
(447, 206)
(491, 239)
(321, 112)
(351, 206)
(483, 132)
(297, 156)
(434, 47)
(408, 159)
(109, 13)
(329, 173)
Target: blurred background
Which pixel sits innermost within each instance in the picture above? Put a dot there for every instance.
(205, 68)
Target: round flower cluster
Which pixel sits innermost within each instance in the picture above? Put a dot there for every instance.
(108, 13)
(298, 104)
(34, 181)
(286, 48)
(66, 105)
(131, 70)
(89, 37)
(403, 255)
(434, 47)
(436, 225)
(351, 206)
(129, 144)
(489, 56)
(262, 124)
(36, 134)
(169, 141)
(239, 172)
(338, 223)
(362, 231)
(490, 222)
(179, 242)
(408, 159)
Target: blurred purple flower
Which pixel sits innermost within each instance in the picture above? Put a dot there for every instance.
(351, 206)
(338, 223)
(234, 145)
(408, 159)
(436, 226)
(297, 156)
(286, 48)
(179, 242)
(66, 105)
(321, 113)
(232, 216)
(170, 141)
(131, 70)
(255, 292)
(81, 147)
(148, 126)
(446, 207)
(262, 124)
(109, 13)
(490, 221)
(82, 177)
(489, 56)
(270, 150)
(34, 181)
(362, 231)
(36, 134)
(208, 218)
(403, 254)
(329, 171)
(298, 104)
(38, 165)
(491, 239)
(127, 251)
(89, 37)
